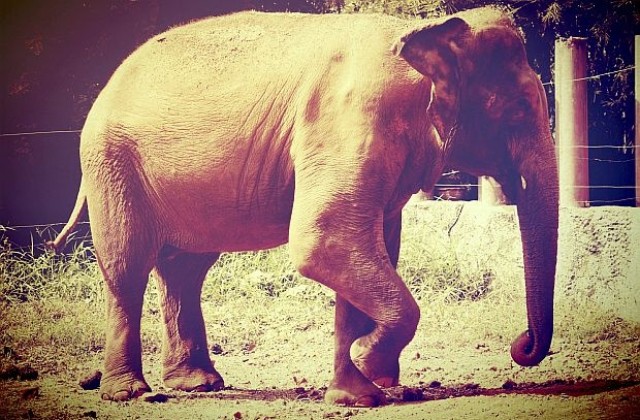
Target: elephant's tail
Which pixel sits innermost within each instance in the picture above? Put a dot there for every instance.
(78, 211)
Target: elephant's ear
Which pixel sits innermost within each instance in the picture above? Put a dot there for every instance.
(436, 51)
(433, 47)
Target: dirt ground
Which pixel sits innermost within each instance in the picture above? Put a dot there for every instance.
(457, 367)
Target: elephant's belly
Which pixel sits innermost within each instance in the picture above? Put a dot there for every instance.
(233, 236)
(247, 236)
(229, 228)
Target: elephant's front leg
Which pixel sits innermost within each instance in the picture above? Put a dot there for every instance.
(379, 365)
(337, 239)
(351, 324)
(187, 365)
(349, 386)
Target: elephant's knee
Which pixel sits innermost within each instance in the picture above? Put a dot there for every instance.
(408, 319)
(305, 257)
(319, 257)
(413, 317)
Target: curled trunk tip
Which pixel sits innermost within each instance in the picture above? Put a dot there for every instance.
(529, 351)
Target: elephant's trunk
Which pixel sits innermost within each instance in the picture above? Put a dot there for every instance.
(538, 216)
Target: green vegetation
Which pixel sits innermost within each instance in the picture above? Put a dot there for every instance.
(271, 330)
(57, 302)
(26, 277)
(240, 294)
(75, 277)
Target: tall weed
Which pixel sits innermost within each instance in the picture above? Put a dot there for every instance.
(25, 276)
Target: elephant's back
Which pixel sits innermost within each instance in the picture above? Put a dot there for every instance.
(246, 47)
(234, 80)
(215, 70)
(275, 39)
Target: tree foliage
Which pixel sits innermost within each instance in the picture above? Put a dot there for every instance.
(609, 28)
(408, 8)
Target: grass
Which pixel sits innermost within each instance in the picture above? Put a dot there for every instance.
(238, 296)
(272, 330)
(57, 302)
(430, 271)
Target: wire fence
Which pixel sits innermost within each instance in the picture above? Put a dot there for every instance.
(549, 83)
(38, 226)
(594, 77)
(592, 187)
(40, 233)
(37, 133)
(440, 185)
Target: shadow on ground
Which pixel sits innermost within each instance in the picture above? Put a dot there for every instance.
(426, 392)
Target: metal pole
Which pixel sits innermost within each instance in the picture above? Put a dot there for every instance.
(636, 150)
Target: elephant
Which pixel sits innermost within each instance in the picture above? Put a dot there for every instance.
(248, 131)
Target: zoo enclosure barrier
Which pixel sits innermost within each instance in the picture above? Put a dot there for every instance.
(572, 145)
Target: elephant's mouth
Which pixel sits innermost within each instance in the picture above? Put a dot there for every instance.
(513, 184)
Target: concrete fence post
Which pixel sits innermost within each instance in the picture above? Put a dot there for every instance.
(490, 192)
(572, 130)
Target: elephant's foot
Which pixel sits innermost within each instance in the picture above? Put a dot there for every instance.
(193, 379)
(382, 368)
(123, 387)
(354, 393)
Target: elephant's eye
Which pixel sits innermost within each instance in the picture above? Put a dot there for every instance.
(493, 104)
(491, 100)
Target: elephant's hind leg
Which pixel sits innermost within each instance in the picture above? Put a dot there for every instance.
(123, 378)
(187, 365)
(125, 240)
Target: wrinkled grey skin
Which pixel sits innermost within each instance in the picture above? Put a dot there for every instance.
(248, 131)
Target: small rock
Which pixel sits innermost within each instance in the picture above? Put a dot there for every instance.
(315, 394)
(435, 384)
(249, 346)
(156, 398)
(216, 349)
(20, 372)
(237, 415)
(299, 381)
(91, 381)
(30, 393)
(9, 372)
(27, 373)
(7, 352)
(509, 384)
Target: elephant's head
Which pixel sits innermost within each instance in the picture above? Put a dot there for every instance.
(490, 109)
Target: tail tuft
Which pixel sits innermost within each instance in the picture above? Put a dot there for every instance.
(57, 245)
